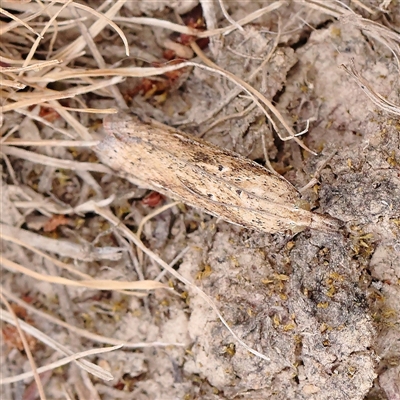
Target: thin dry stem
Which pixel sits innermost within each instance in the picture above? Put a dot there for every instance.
(126, 232)
(17, 20)
(26, 347)
(62, 247)
(31, 330)
(51, 142)
(376, 98)
(59, 363)
(83, 332)
(54, 162)
(255, 95)
(99, 284)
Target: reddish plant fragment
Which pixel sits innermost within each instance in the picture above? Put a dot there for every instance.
(49, 114)
(153, 199)
(10, 333)
(169, 54)
(157, 87)
(193, 19)
(54, 222)
(152, 87)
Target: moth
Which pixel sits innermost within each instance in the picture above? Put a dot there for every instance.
(202, 175)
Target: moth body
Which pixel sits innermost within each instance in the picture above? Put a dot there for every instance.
(205, 176)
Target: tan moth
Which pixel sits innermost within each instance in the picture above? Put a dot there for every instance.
(204, 176)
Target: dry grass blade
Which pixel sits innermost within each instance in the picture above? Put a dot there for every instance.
(84, 333)
(89, 284)
(12, 84)
(228, 17)
(31, 67)
(376, 98)
(128, 234)
(327, 7)
(54, 162)
(255, 95)
(56, 262)
(147, 218)
(20, 100)
(202, 34)
(345, 14)
(29, 13)
(104, 19)
(111, 254)
(43, 121)
(63, 248)
(41, 35)
(59, 363)
(84, 364)
(52, 143)
(26, 347)
(243, 21)
(17, 20)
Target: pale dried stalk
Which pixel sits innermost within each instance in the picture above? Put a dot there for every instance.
(56, 262)
(35, 117)
(41, 35)
(202, 34)
(17, 20)
(101, 22)
(362, 5)
(22, 6)
(105, 252)
(12, 84)
(53, 162)
(228, 17)
(147, 218)
(98, 284)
